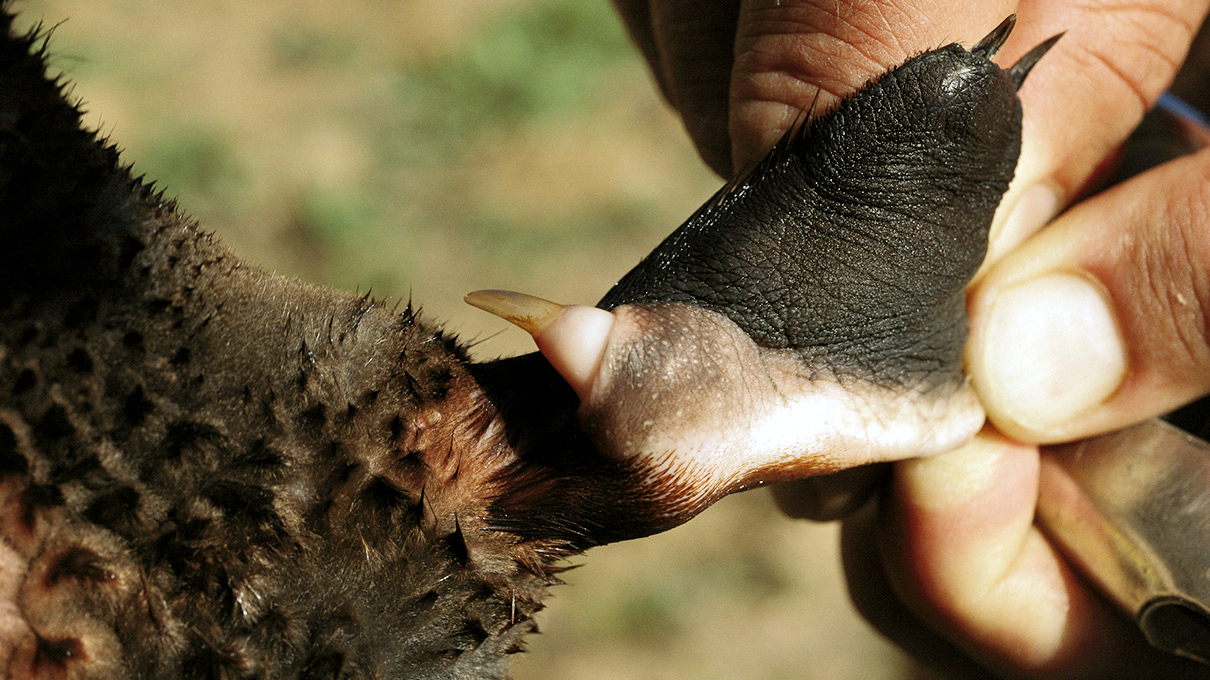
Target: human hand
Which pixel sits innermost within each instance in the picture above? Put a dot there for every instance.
(1095, 323)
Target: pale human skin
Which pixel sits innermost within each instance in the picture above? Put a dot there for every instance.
(1087, 317)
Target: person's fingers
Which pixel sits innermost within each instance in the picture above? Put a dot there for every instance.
(789, 52)
(1092, 89)
(1100, 320)
(741, 74)
(802, 56)
(959, 548)
(1116, 58)
(876, 600)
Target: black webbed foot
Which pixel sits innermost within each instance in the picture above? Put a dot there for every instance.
(811, 315)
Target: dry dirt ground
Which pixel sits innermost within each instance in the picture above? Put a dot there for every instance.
(427, 148)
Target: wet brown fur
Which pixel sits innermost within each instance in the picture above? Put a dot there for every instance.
(207, 471)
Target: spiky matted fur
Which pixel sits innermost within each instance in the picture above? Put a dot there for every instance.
(211, 471)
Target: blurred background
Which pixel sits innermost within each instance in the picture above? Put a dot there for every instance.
(426, 148)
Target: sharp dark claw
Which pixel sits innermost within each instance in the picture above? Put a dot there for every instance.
(990, 45)
(1026, 63)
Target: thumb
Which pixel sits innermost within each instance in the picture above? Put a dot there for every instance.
(1100, 320)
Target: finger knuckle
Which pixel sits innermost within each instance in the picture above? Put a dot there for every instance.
(1174, 282)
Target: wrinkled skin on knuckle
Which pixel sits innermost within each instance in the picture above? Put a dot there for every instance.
(784, 49)
(1138, 52)
(1132, 51)
(1172, 301)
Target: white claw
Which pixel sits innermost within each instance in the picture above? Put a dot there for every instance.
(571, 337)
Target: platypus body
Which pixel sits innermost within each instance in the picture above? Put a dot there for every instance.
(209, 471)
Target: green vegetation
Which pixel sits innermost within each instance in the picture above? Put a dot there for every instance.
(539, 63)
(312, 48)
(516, 74)
(197, 164)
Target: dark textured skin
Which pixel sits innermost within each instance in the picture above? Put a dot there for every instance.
(850, 244)
(207, 471)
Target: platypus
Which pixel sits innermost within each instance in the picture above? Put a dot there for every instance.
(210, 471)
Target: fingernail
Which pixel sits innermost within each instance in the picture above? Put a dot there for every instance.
(1035, 207)
(1051, 350)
